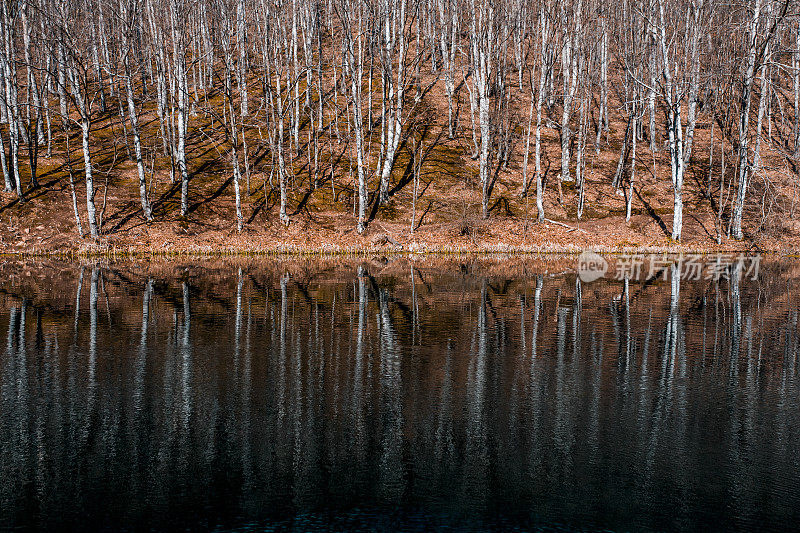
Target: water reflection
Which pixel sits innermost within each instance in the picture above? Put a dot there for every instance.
(393, 396)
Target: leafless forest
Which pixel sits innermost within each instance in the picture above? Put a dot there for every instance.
(350, 102)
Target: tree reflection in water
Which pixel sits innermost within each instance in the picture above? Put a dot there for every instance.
(378, 397)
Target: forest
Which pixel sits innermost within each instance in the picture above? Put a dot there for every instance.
(132, 117)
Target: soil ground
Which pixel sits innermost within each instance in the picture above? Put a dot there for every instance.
(446, 216)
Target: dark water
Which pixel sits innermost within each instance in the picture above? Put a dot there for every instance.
(462, 395)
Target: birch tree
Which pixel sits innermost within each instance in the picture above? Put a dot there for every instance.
(680, 79)
(178, 14)
(351, 16)
(570, 61)
(129, 10)
(761, 29)
(9, 13)
(483, 46)
(394, 49)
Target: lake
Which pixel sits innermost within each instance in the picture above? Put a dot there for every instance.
(464, 393)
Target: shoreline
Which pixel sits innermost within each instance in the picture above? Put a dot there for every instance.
(46, 234)
(100, 251)
(500, 236)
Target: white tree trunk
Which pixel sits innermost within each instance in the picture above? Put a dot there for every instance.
(11, 103)
(632, 177)
(394, 45)
(181, 95)
(483, 51)
(543, 76)
(137, 146)
(602, 118)
(744, 121)
(87, 163)
(569, 72)
(241, 38)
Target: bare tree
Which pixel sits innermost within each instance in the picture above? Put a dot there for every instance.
(761, 30)
(680, 78)
(178, 15)
(351, 16)
(129, 10)
(483, 45)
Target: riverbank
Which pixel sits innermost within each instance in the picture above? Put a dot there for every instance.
(333, 234)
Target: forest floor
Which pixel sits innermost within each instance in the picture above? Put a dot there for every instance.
(448, 220)
(40, 228)
(446, 223)
(446, 213)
